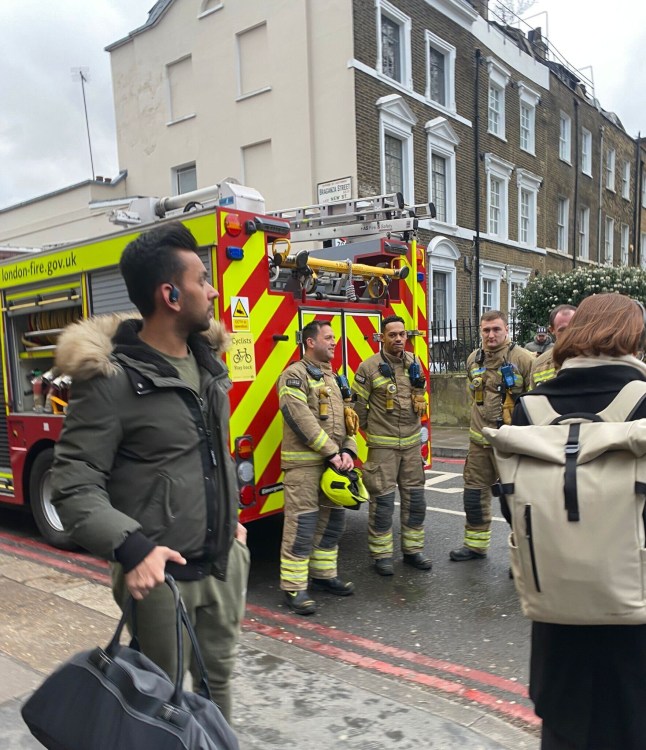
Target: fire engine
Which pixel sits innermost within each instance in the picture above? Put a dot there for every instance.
(350, 263)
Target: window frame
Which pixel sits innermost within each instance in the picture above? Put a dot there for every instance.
(500, 170)
(609, 241)
(562, 223)
(397, 120)
(624, 244)
(441, 140)
(611, 158)
(384, 8)
(175, 176)
(499, 77)
(449, 53)
(519, 277)
(528, 183)
(565, 143)
(443, 256)
(491, 272)
(625, 181)
(528, 98)
(583, 233)
(586, 155)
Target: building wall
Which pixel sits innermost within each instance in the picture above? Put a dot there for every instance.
(75, 213)
(271, 95)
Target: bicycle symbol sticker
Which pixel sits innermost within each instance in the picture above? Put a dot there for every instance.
(242, 357)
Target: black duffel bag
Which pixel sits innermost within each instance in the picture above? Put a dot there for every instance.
(118, 699)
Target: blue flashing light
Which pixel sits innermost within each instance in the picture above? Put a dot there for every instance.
(420, 275)
(234, 253)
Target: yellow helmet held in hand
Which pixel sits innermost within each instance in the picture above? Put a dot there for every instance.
(344, 488)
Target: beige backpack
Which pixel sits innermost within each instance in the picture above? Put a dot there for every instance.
(576, 486)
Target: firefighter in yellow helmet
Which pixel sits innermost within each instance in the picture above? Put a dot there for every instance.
(497, 374)
(389, 390)
(314, 435)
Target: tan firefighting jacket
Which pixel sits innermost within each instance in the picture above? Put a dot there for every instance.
(304, 397)
(484, 385)
(543, 368)
(400, 427)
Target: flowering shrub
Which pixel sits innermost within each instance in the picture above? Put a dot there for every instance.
(543, 293)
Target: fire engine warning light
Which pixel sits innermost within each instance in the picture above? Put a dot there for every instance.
(234, 253)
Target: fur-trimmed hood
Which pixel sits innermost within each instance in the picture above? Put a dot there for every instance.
(85, 348)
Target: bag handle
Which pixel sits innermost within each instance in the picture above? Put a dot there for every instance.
(181, 620)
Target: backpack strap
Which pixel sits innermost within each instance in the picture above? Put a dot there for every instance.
(539, 410)
(625, 403)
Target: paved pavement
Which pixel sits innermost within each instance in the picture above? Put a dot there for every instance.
(284, 697)
(449, 442)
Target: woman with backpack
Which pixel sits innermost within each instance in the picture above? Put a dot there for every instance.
(588, 682)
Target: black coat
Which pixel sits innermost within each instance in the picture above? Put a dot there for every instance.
(588, 683)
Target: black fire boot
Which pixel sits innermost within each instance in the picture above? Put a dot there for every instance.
(417, 560)
(466, 553)
(334, 586)
(300, 602)
(384, 566)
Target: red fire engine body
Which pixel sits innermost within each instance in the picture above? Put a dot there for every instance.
(268, 291)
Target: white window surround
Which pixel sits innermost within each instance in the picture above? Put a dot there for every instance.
(565, 138)
(443, 256)
(239, 41)
(530, 98)
(171, 67)
(397, 119)
(642, 250)
(531, 183)
(583, 233)
(624, 239)
(442, 140)
(498, 79)
(501, 169)
(517, 276)
(609, 241)
(449, 52)
(493, 272)
(611, 157)
(586, 152)
(643, 187)
(184, 178)
(562, 224)
(625, 181)
(405, 24)
(209, 6)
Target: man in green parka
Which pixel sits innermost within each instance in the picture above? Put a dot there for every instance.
(142, 474)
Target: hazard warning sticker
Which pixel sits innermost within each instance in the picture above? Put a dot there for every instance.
(240, 314)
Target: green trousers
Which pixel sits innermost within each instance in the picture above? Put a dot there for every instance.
(216, 609)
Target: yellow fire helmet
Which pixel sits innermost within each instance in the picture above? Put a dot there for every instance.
(344, 488)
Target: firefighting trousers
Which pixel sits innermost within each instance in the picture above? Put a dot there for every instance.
(311, 532)
(384, 471)
(216, 609)
(479, 474)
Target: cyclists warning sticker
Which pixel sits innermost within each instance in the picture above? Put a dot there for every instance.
(242, 358)
(240, 314)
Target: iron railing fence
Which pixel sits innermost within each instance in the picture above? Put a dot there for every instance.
(451, 342)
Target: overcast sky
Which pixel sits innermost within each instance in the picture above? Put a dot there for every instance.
(43, 137)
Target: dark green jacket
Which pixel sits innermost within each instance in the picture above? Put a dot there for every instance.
(143, 460)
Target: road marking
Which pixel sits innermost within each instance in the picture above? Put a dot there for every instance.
(459, 513)
(442, 476)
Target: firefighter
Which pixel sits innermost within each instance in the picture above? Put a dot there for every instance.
(543, 367)
(389, 390)
(497, 374)
(314, 436)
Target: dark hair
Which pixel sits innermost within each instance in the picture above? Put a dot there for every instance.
(391, 319)
(310, 331)
(559, 309)
(604, 324)
(493, 315)
(153, 259)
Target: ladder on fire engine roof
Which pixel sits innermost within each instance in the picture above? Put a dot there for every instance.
(358, 217)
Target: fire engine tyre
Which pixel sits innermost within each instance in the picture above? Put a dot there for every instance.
(40, 495)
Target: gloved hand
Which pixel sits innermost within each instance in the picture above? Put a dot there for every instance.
(507, 408)
(419, 404)
(351, 421)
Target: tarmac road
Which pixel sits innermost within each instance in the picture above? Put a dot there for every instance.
(440, 655)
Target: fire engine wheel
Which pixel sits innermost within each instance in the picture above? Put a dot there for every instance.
(40, 494)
